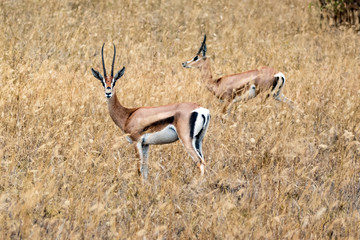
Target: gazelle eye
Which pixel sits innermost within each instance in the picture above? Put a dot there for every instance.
(196, 58)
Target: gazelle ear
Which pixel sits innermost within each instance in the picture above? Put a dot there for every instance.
(119, 74)
(97, 74)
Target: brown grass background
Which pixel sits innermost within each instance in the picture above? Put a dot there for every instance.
(67, 171)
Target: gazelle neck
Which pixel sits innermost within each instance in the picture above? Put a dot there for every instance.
(206, 75)
(119, 114)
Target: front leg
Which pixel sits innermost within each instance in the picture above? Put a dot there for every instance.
(251, 93)
(142, 150)
(235, 100)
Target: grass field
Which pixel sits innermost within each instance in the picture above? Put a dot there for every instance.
(67, 172)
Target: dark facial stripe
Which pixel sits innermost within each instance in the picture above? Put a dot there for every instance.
(168, 120)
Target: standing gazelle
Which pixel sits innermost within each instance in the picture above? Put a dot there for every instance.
(156, 125)
(240, 86)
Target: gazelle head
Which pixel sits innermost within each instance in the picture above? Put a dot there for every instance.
(108, 82)
(199, 58)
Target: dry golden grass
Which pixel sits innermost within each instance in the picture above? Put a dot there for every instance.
(67, 172)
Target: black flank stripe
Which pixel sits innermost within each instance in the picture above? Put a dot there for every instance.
(192, 123)
(275, 83)
(168, 120)
(283, 82)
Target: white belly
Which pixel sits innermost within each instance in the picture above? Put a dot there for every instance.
(166, 135)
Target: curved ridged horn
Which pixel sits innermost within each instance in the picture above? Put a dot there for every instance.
(202, 45)
(113, 62)
(103, 62)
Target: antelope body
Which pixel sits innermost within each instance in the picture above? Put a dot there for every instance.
(240, 86)
(156, 125)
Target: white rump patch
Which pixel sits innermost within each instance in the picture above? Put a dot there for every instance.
(200, 128)
(200, 121)
(280, 75)
(280, 85)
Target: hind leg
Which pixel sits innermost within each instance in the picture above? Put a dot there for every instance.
(281, 98)
(195, 154)
(197, 144)
(187, 141)
(193, 133)
(251, 93)
(278, 85)
(289, 102)
(197, 140)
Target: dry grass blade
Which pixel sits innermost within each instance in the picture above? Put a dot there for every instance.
(67, 172)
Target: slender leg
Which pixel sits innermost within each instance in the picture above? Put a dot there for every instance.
(281, 98)
(143, 154)
(235, 100)
(197, 144)
(251, 93)
(139, 156)
(145, 166)
(187, 141)
(197, 141)
(277, 92)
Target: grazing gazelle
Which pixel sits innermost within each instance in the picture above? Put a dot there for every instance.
(241, 86)
(156, 125)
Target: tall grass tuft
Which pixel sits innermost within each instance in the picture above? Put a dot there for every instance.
(67, 172)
